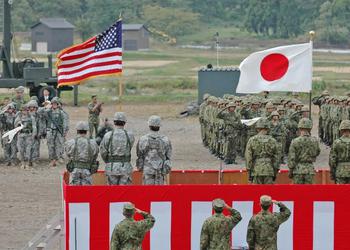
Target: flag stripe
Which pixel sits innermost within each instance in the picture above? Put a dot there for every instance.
(115, 51)
(95, 59)
(89, 75)
(93, 65)
(91, 70)
(76, 47)
(89, 48)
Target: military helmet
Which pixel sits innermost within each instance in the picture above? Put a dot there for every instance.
(305, 109)
(120, 116)
(55, 100)
(325, 93)
(281, 108)
(269, 105)
(262, 123)
(154, 121)
(265, 200)
(275, 113)
(206, 96)
(81, 125)
(34, 98)
(32, 104)
(305, 123)
(10, 106)
(218, 203)
(231, 104)
(345, 124)
(128, 208)
(19, 89)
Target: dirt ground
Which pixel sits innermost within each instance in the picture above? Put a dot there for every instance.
(30, 198)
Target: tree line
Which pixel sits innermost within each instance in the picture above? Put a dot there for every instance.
(268, 18)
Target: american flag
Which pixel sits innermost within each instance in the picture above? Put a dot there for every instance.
(101, 55)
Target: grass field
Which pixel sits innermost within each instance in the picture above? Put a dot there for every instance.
(169, 74)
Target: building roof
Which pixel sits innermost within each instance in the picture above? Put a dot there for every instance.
(55, 23)
(132, 26)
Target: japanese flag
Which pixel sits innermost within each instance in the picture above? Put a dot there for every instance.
(285, 68)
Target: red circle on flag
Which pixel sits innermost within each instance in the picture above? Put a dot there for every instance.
(274, 67)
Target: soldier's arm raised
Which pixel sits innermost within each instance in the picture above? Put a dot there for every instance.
(148, 220)
(284, 213)
(234, 217)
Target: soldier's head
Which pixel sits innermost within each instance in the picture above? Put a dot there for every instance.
(6, 100)
(82, 127)
(305, 126)
(263, 126)
(231, 107)
(19, 92)
(206, 96)
(298, 106)
(128, 210)
(55, 103)
(218, 205)
(24, 109)
(281, 110)
(32, 106)
(94, 98)
(10, 108)
(305, 112)
(325, 93)
(265, 94)
(269, 107)
(275, 116)
(119, 119)
(265, 202)
(345, 128)
(154, 122)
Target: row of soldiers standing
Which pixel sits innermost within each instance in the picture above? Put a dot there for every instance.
(49, 122)
(226, 136)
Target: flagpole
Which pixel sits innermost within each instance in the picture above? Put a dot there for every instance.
(312, 37)
(120, 82)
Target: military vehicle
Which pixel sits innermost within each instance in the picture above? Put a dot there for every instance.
(27, 72)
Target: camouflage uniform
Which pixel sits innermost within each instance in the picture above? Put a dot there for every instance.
(129, 234)
(339, 157)
(202, 120)
(56, 129)
(102, 130)
(115, 150)
(36, 140)
(83, 152)
(262, 158)
(25, 139)
(233, 125)
(94, 117)
(278, 132)
(153, 155)
(19, 101)
(7, 124)
(302, 154)
(216, 230)
(263, 227)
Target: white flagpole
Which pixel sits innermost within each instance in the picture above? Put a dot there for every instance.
(312, 37)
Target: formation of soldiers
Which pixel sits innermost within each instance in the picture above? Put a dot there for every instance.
(115, 145)
(35, 122)
(282, 131)
(332, 111)
(216, 230)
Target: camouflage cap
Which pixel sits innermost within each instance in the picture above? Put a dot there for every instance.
(231, 104)
(262, 123)
(154, 121)
(345, 124)
(265, 200)
(305, 109)
(32, 104)
(325, 93)
(281, 108)
(10, 106)
(269, 105)
(305, 123)
(120, 116)
(128, 207)
(218, 203)
(81, 125)
(19, 89)
(55, 100)
(275, 113)
(34, 98)
(206, 96)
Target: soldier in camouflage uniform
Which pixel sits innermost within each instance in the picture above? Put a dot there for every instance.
(18, 100)
(82, 153)
(263, 227)
(232, 126)
(216, 230)
(25, 139)
(129, 234)
(102, 130)
(302, 154)
(95, 108)
(56, 129)
(269, 108)
(202, 120)
(339, 157)
(262, 157)
(7, 117)
(278, 132)
(33, 107)
(115, 150)
(153, 154)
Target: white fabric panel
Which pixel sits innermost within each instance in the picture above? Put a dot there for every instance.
(285, 232)
(161, 232)
(115, 215)
(239, 233)
(200, 212)
(323, 225)
(79, 226)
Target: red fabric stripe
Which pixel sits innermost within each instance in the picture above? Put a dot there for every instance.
(78, 56)
(341, 225)
(91, 66)
(89, 59)
(76, 47)
(81, 78)
(98, 238)
(303, 229)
